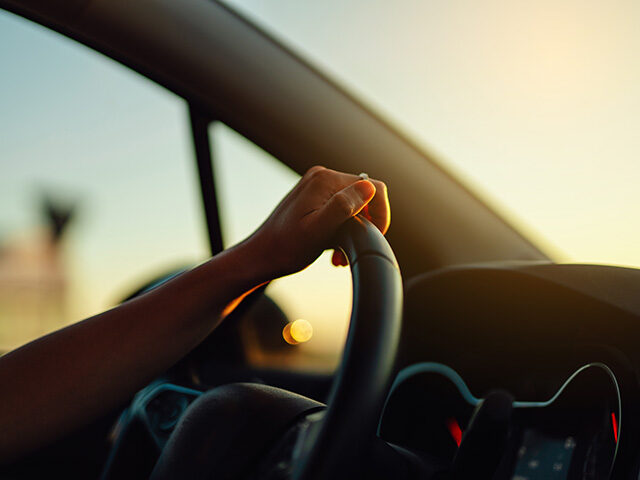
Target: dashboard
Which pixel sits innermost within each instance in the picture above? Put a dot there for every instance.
(560, 341)
(431, 412)
(526, 370)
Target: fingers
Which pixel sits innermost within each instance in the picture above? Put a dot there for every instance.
(345, 204)
(378, 210)
(332, 182)
(338, 259)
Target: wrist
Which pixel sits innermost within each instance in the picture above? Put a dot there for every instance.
(255, 259)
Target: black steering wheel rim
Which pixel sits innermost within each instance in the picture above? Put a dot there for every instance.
(208, 441)
(362, 379)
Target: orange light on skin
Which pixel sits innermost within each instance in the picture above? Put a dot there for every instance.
(298, 331)
(234, 303)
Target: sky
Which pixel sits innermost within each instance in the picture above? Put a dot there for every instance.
(535, 105)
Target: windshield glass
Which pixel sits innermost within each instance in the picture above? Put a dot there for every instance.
(536, 105)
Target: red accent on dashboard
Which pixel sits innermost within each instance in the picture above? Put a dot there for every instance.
(454, 430)
(614, 422)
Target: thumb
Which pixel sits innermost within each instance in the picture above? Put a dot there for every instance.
(345, 204)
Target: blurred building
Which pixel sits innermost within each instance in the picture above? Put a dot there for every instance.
(33, 280)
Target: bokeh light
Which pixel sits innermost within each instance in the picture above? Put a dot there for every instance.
(298, 331)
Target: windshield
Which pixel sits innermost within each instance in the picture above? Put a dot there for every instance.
(536, 105)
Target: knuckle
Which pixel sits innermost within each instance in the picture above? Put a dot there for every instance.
(324, 174)
(314, 171)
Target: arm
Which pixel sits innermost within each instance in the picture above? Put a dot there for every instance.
(61, 381)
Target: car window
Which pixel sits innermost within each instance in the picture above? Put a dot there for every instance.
(315, 303)
(98, 188)
(533, 104)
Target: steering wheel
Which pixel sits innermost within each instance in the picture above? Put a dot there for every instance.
(331, 444)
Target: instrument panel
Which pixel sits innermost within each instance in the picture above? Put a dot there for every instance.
(573, 435)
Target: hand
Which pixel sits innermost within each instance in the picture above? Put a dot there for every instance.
(307, 219)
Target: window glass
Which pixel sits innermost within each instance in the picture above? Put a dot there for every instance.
(250, 184)
(535, 104)
(98, 190)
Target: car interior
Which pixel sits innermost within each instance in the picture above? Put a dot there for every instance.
(470, 353)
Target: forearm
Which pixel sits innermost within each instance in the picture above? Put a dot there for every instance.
(63, 380)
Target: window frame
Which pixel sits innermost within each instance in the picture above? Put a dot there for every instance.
(203, 156)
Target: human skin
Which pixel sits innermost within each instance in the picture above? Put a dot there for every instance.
(66, 379)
